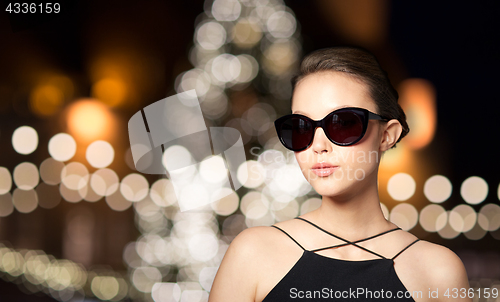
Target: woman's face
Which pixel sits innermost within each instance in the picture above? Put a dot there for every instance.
(317, 95)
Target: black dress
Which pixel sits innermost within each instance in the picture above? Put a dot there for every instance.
(319, 278)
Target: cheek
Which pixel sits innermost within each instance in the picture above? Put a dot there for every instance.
(365, 157)
(358, 161)
(373, 137)
(304, 158)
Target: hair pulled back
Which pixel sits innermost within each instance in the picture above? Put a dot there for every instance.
(361, 64)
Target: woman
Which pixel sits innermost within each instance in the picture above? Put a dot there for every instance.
(346, 249)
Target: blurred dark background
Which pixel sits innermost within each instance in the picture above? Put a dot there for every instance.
(453, 45)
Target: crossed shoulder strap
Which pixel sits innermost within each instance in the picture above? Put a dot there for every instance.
(347, 241)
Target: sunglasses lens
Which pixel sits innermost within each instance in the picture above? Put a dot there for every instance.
(296, 133)
(345, 127)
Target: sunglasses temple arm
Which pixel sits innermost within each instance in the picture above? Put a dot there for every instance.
(373, 116)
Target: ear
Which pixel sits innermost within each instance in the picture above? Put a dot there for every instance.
(390, 134)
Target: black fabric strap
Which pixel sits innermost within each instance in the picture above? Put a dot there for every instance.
(338, 245)
(290, 237)
(360, 240)
(349, 242)
(405, 249)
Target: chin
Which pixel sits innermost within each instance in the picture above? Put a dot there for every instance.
(332, 187)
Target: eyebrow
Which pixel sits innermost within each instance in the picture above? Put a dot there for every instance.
(303, 113)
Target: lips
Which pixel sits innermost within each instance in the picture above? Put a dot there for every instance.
(322, 166)
(323, 169)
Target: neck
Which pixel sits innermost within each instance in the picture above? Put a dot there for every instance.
(356, 215)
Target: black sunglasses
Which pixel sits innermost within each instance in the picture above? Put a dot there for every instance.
(343, 127)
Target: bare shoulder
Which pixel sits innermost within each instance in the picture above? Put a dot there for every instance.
(239, 272)
(431, 257)
(440, 260)
(250, 244)
(443, 269)
(254, 241)
(428, 267)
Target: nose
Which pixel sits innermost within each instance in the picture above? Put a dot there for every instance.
(320, 141)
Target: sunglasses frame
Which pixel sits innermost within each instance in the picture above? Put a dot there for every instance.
(363, 113)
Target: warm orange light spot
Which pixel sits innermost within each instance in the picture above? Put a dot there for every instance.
(46, 100)
(362, 21)
(418, 99)
(48, 97)
(394, 159)
(399, 159)
(89, 120)
(110, 91)
(405, 160)
(121, 75)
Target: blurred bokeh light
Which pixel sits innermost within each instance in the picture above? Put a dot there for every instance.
(85, 191)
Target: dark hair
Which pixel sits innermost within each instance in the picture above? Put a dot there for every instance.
(361, 64)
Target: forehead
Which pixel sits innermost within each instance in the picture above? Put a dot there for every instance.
(318, 94)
